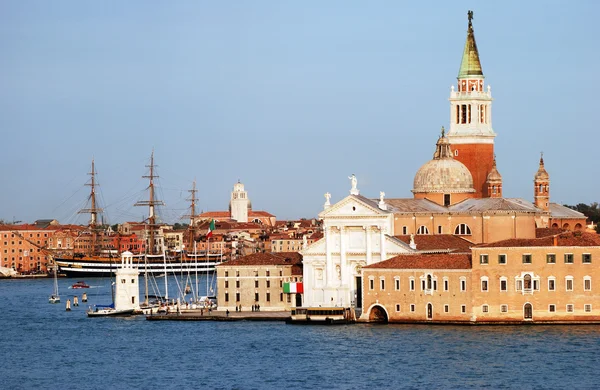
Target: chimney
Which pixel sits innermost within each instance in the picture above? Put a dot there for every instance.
(555, 243)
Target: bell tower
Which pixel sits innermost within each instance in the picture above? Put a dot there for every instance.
(541, 187)
(471, 134)
(239, 203)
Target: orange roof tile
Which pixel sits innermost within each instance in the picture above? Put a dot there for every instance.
(280, 258)
(425, 261)
(563, 239)
(429, 242)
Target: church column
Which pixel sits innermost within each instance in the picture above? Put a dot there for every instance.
(328, 250)
(343, 265)
(369, 245)
(382, 245)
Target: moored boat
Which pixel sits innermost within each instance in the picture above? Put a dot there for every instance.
(80, 284)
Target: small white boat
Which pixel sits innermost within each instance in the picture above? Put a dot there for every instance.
(106, 311)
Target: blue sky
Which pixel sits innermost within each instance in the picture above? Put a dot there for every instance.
(289, 97)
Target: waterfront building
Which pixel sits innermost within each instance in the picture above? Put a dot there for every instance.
(260, 279)
(546, 279)
(458, 192)
(24, 247)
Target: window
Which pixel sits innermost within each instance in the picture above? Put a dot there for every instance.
(404, 230)
(268, 273)
(280, 297)
(237, 297)
(412, 308)
(397, 283)
(226, 273)
(397, 307)
(446, 200)
(412, 284)
(569, 283)
(371, 283)
(423, 230)
(268, 283)
(551, 308)
(256, 283)
(527, 282)
(527, 259)
(463, 309)
(268, 297)
(484, 283)
(446, 284)
(551, 258)
(256, 297)
(446, 308)
(463, 284)
(503, 308)
(484, 308)
(519, 285)
(551, 283)
(237, 284)
(503, 284)
(483, 259)
(227, 284)
(587, 283)
(568, 258)
(382, 284)
(501, 259)
(226, 297)
(587, 308)
(586, 258)
(463, 229)
(570, 308)
(237, 273)
(439, 229)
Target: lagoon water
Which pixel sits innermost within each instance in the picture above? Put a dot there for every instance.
(43, 346)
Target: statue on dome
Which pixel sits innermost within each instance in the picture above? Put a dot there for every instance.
(381, 196)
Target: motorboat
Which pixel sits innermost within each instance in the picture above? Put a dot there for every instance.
(80, 284)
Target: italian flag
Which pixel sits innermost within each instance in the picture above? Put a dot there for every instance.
(211, 227)
(293, 288)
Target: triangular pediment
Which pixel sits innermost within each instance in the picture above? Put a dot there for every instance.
(317, 247)
(353, 206)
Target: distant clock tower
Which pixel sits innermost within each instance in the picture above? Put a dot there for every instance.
(471, 135)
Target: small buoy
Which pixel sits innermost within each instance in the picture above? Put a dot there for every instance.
(75, 301)
(84, 297)
(68, 305)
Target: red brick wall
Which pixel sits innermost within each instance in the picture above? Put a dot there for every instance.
(479, 158)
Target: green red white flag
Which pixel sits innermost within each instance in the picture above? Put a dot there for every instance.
(211, 227)
(293, 288)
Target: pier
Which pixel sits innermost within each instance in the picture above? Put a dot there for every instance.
(216, 315)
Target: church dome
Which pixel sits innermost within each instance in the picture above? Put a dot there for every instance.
(443, 174)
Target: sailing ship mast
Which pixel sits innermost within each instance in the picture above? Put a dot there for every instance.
(93, 210)
(151, 203)
(192, 215)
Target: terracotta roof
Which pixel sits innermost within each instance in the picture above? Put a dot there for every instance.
(425, 261)
(316, 236)
(428, 242)
(215, 214)
(26, 227)
(545, 232)
(252, 213)
(564, 239)
(280, 258)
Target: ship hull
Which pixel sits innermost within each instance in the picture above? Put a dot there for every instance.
(74, 268)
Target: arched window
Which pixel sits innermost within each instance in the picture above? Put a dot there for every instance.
(423, 230)
(463, 229)
(527, 282)
(429, 282)
(541, 188)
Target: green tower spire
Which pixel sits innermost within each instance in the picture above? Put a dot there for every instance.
(470, 65)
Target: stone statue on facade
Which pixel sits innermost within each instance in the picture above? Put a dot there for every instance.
(327, 200)
(354, 182)
(304, 242)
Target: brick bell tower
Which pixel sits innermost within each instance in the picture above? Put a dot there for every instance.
(471, 134)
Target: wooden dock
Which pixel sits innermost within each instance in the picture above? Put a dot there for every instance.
(216, 315)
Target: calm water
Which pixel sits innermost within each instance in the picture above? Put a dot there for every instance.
(43, 346)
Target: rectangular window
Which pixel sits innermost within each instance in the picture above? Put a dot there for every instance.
(519, 285)
(527, 259)
(587, 285)
(463, 285)
(412, 308)
(536, 285)
(484, 285)
(439, 229)
(587, 308)
(226, 273)
(551, 285)
(371, 284)
(570, 308)
(268, 283)
(226, 297)
(586, 258)
(237, 273)
(569, 284)
(422, 285)
(268, 297)
(280, 297)
(404, 230)
(397, 284)
(268, 273)
(446, 285)
(382, 284)
(568, 258)
(237, 284)
(551, 308)
(484, 308)
(463, 309)
(551, 258)
(397, 307)
(412, 285)
(503, 284)
(256, 283)
(256, 297)
(483, 259)
(501, 259)
(446, 308)
(237, 297)
(503, 308)
(227, 284)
